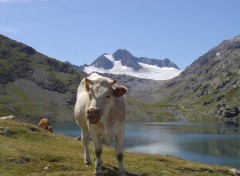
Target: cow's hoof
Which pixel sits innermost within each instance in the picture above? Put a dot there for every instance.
(123, 173)
(98, 171)
(87, 163)
(97, 174)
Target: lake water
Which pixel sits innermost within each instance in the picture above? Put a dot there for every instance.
(211, 143)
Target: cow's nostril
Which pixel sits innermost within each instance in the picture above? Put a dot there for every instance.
(93, 111)
(88, 111)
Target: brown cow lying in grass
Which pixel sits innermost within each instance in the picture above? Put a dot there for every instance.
(45, 124)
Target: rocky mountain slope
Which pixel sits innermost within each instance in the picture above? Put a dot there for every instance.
(137, 87)
(33, 85)
(123, 62)
(209, 87)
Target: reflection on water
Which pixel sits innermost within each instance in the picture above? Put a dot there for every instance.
(212, 143)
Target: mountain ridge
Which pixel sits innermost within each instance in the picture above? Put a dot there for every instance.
(127, 59)
(123, 62)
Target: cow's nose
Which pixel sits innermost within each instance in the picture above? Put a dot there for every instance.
(93, 111)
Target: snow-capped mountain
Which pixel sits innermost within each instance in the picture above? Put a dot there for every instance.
(123, 62)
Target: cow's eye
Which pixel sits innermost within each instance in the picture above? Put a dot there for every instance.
(108, 96)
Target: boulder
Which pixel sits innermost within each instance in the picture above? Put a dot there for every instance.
(6, 131)
(231, 112)
(10, 117)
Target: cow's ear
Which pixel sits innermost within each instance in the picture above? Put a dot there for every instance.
(119, 91)
(88, 84)
(114, 82)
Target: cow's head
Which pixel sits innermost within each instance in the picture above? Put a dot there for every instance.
(101, 93)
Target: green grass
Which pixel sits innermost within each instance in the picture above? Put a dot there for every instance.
(17, 92)
(35, 152)
(231, 97)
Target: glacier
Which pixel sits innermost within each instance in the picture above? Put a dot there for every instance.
(147, 72)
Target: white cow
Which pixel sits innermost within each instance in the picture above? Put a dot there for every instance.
(100, 112)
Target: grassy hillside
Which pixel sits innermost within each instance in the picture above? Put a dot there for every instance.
(211, 85)
(33, 151)
(207, 89)
(33, 85)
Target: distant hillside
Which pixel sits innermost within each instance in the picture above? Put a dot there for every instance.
(33, 85)
(209, 87)
(123, 62)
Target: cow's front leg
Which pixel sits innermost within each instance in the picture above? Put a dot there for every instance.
(85, 138)
(98, 152)
(98, 162)
(119, 153)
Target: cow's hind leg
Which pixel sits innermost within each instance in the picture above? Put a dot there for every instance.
(86, 137)
(119, 154)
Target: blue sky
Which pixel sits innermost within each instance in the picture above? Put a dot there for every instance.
(79, 31)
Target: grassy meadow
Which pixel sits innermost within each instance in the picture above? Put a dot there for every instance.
(31, 151)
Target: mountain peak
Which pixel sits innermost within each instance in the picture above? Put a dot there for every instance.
(122, 53)
(123, 62)
(103, 62)
(127, 59)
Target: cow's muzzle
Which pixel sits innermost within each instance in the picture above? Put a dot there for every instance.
(93, 115)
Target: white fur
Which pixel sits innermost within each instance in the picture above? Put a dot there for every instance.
(112, 123)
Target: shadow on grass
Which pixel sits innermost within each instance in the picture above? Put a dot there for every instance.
(107, 171)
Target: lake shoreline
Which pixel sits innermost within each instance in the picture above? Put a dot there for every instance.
(178, 139)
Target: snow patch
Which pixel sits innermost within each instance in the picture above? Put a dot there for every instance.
(110, 57)
(147, 72)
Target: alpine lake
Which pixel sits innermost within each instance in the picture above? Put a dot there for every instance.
(215, 143)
